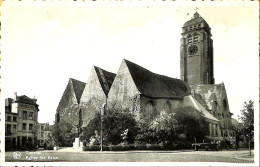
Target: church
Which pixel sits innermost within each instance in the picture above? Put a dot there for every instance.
(146, 94)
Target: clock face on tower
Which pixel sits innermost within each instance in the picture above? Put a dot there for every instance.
(192, 49)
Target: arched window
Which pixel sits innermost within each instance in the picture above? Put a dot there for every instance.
(149, 111)
(215, 105)
(189, 39)
(195, 38)
(80, 117)
(167, 107)
(58, 117)
(224, 103)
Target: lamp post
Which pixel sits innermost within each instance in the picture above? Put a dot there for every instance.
(101, 125)
(103, 107)
(101, 137)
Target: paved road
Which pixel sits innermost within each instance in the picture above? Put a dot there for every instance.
(130, 156)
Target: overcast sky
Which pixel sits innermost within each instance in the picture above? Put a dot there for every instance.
(43, 46)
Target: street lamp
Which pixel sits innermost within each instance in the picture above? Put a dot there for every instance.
(101, 127)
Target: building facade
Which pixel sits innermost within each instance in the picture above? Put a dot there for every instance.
(44, 131)
(21, 114)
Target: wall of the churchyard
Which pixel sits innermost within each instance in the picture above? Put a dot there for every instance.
(123, 93)
(68, 108)
(92, 99)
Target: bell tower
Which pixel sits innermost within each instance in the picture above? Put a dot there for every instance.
(196, 52)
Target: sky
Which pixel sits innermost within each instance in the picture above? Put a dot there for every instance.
(44, 45)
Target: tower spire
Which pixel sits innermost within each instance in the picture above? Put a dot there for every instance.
(196, 9)
(196, 13)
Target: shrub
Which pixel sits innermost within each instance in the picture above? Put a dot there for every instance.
(140, 147)
(94, 148)
(114, 124)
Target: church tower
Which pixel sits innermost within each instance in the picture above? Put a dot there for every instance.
(196, 52)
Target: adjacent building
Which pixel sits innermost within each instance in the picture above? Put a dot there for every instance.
(21, 119)
(44, 131)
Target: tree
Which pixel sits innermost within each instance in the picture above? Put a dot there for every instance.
(247, 122)
(115, 122)
(191, 123)
(63, 134)
(180, 126)
(163, 127)
(247, 119)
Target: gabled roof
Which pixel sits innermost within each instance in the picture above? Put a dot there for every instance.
(78, 87)
(105, 78)
(209, 93)
(155, 85)
(199, 107)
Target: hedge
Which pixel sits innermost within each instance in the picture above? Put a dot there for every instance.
(137, 147)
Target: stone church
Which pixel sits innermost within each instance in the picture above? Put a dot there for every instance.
(146, 94)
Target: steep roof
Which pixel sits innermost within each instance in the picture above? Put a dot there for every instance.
(78, 87)
(198, 106)
(105, 78)
(155, 85)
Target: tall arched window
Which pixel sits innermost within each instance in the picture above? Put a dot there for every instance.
(58, 117)
(149, 110)
(80, 117)
(189, 39)
(167, 107)
(225, 103)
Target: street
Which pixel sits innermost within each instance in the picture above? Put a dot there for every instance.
(71, 155)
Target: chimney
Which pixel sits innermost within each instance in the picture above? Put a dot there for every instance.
(15, 96)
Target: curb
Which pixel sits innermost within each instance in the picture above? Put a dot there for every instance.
(245, 159)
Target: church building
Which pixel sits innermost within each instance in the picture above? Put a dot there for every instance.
(146, 94)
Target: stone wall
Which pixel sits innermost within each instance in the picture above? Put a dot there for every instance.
(92, 99)
(68, 108)
(123, 93)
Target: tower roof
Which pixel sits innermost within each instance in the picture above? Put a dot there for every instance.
(195, 20)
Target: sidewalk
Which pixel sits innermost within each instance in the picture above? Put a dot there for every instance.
(246, 158)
